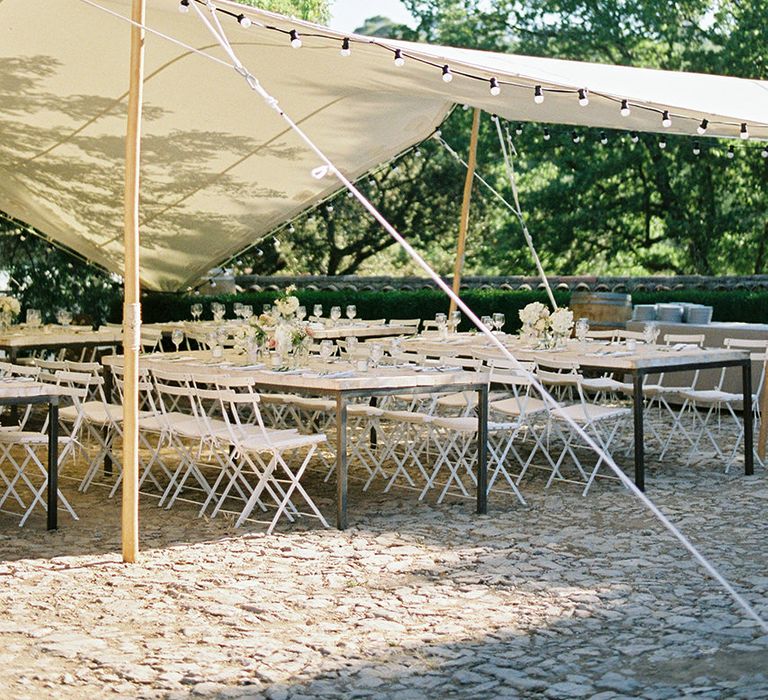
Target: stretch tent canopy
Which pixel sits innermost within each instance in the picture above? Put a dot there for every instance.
(219, 167)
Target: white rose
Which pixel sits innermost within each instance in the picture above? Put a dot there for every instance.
(562, 321)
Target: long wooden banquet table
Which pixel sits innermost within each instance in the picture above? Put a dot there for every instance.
(342, 329)
(343, 383)
(20, 392)
(25, 339)
(639, 363)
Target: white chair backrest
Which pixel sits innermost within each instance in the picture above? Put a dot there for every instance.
(688, 338)
(601, 335)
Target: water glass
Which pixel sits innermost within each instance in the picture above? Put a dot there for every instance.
(498, 322)
(487, 321)
(455, 321)
(376, 354)
(581, 329)
(301, 313)
(237, 308)
(317, 310)
(335, 314)
(197, 311)
(352, 344)
(64, 317)
(266, 308)
(246, 311)
(351, 311)
(177, 337)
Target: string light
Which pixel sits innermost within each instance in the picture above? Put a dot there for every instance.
(518, 129)
(744, 133)
(666, 122)
(447, 75)
(291, 229)
(575, 137)
(696, 148)
(538, 95)
(701, 129)
(495, 89)
(295, 39)
(583, 99)
(624, 111)
(345, 50)
(634, 137)
(764, 152)
(244, 21)
(663, 142)
(603, 138)
(184, 6)
(399, 60)
(547, 135)
(731, 152)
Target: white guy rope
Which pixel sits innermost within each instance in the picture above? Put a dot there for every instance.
(515, 211)
(329, 169)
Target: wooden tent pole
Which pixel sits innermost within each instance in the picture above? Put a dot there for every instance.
(458, 267)
(762, 437)
(131, 302)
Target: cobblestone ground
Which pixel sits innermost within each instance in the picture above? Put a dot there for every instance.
(569, 597)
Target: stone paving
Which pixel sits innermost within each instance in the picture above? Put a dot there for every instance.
(569, 597)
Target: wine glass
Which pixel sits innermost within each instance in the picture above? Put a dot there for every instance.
(326, 350)
(487, 321)
(581, 329)
(351, 311)
(177, 337)
(650, 333)
(246, 311)
(376, 354)
(317, 311)
(352, 344)
(266, 308)
(301, 313)
(197, 311)
(498, 322)
(455, 321)
(237, 308)
(441, 320)
(335, 314)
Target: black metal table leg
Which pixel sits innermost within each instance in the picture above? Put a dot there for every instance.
(482, 450)
(746, 379)
(53, 462)
(638, 405)
(341, 462)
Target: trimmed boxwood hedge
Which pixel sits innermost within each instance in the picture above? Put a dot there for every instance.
(729, 305)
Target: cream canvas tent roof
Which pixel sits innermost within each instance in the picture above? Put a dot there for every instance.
(219, 167)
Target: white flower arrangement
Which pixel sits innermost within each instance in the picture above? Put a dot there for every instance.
(10, 306)
(287, 304)
(548, 328)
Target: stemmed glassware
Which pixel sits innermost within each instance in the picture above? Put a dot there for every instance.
(376, 354)
(177, 337)
(301, 313)
(266, 308)
(351, 311)
(487, 321)
(650, 333)
(34, 318)
(237, 308)
(317, 311)
(246, 311)
(197, 311)
(581, 329)
(326, 350)
(498, 322)
(441, 320)
(335, 314)
(64, 317)
(218, 311)
(455, 321)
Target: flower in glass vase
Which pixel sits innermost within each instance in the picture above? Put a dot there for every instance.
(286, 304)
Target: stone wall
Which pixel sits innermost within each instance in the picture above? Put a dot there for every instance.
(586, 283)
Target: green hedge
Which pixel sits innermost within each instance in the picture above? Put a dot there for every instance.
(732, 305)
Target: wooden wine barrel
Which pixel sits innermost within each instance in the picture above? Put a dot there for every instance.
(603, 309)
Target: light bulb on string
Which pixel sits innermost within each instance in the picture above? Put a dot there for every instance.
(730, 153)
(547, 135)
(495, 89)
(696, 148)
(416, 153)
(764, 152)
(518, 129)
(634, 137)
(399, 60)
(744, 133)
(329, 208)
(701, 129)
(666, 122)
(538, 95)
(244, 21)
(295, 39)
(345, 50)
(447, 75)
(583, 99)
(575, 137)
(184, 6)
(603, 138)
(624, 111)
(662, 142)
